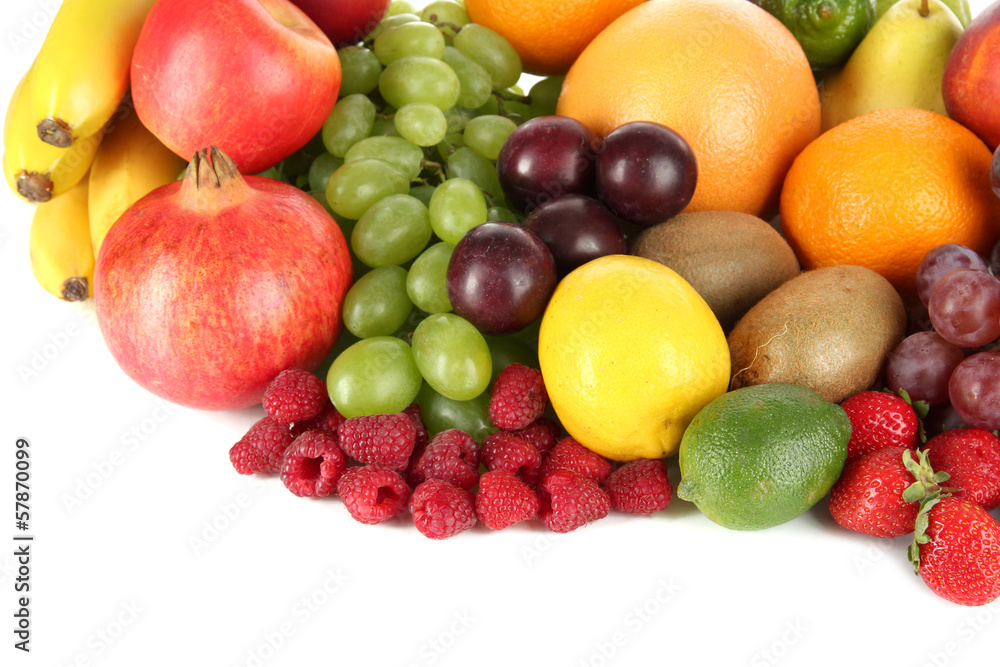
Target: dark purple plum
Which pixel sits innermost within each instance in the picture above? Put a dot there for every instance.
(544, 158)
(500, 277)
(577, 229)
(645, 173)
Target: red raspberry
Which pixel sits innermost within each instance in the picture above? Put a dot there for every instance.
(441, 510)
(246, 458)
(518, 397)
(570, 500)
(503, 500)
(313, 464)
(294, 395)
(543, 433)
(380, 440)
(640, 487)
(879, 419)
(420, 442)
(270, 439)
(452, 456)
(373, 495)
(327, 421)
(570, 454)
(972, 457)
(505, 451)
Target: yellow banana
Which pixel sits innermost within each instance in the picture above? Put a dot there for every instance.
(130, 163)
(33, 169)
(82, 70)
(59, 245)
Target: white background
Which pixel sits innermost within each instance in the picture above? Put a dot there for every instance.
(150, 550)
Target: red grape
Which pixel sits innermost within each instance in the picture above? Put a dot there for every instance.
(942, 260)
(965, 308)
(544, 158)
(576, 229)
(500, 277)
(922, 364)
(975, 390)
(918, 319)
(646, 172)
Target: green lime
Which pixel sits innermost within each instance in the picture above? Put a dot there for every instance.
(760, 456)
(827, 30)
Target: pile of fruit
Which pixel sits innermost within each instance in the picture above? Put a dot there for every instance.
(761, 235)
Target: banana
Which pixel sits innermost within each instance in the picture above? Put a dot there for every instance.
(82, 70)
(59, 245)
(130, 163)
(33, 169)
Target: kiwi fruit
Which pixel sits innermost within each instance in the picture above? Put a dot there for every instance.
(829, 329)
(731, 259)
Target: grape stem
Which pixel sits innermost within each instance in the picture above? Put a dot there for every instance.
(437, 171)
(507, 96)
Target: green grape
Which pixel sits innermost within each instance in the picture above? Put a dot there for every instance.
(544, 96)
(426, 282)
(457, 206)
(392, 232)
(421, 123)
(350, 121)
(447, 15)
(451, 143)
(452, 356)
(399, 7)
(486, 134)
(374, 376)
(320, 170)
(410, 39)
(271, 173)
(344, 341)
(391, 21)
(346, 228)
(458, 117)
(377, 304)
(475, 84)
(419, 79)
(400, 153)
(507, 350)
(359, 70)
(467, 163)
(492, 52)
(423, 192)
(441, 413)
(494, 213)
(358, 184)
(385, 126)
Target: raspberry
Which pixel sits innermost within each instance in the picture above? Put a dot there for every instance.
(270, 439)
(569, 500)
(504, 500)
(452, 456)
(640, 487)
(313, 464)
(420, 442)
(570, 454)
(327, 421)
(505, 451)
(373, 495)
(246, 458)
(441, 510)
(380, 440)
(543, 433)
(294, 395)
(518, 397)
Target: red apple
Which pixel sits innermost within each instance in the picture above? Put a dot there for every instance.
(971, 85)
(345, 22)
(255, 77)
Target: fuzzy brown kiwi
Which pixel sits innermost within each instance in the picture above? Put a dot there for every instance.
(830, 329)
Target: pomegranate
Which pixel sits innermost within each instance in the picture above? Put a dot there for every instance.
(208, 287)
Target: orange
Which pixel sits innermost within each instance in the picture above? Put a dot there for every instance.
(882, 189)
(724, 74)
(547, 34)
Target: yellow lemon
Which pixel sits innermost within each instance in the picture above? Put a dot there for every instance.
(630, 353)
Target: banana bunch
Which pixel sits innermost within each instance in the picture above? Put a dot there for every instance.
(59, 245)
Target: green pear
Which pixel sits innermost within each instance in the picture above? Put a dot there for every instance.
(961, 8)
(899, 63)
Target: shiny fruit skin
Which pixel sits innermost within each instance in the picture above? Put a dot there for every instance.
(577, 229)
(345, 22)
(971, 88)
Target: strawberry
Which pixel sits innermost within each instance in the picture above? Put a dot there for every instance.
(879, 419)
(972, 457)
(956, 550)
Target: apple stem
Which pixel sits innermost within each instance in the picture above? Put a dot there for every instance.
(925, 9)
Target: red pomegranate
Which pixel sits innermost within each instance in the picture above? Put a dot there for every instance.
(208, 287)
